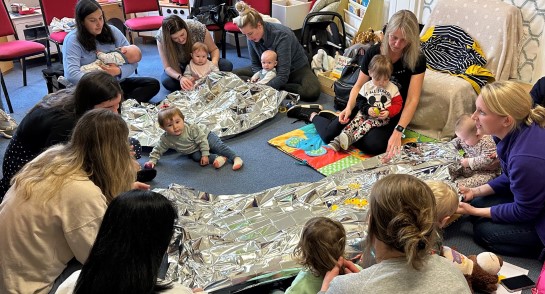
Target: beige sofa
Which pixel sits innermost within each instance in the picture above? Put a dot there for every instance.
(497, 28)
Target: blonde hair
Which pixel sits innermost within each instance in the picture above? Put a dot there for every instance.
(446, 198)
(322, 242)
(167, 113)
(270, 53)
(98, 147)
(465, 124)
(199, 46)
(407, 23)
(171, 25)
(381, 66)
(402, 215)
(247, 15)
(508, 98)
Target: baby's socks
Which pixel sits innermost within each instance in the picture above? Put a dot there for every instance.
(219, 161)
(237, 164)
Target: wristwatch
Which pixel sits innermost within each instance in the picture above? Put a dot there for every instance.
(400, 129)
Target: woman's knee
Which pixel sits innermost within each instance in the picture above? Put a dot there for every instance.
(170, 83)
(225, 65)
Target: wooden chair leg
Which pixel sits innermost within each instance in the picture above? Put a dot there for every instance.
(59, 53)
(238, 45)
(48, 56)
(223, 43)
(5, 93)
(23, 64)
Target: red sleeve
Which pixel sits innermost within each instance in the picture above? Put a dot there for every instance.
(395, 106)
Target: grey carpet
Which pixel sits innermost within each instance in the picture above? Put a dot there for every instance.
(264, 166)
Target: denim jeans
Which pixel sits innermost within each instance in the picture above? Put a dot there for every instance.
(174, 85)
(217, 148)
(519, 239)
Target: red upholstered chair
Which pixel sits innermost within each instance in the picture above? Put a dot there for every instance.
(262, 6)
(142, 23)
(59, 9)
(16, 49)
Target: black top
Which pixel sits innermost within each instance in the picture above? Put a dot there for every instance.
(401, 76)
(43, 128)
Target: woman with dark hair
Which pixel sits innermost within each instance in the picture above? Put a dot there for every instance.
(53, 211)
(293, 72)
(51, 120)
(92, 35)
(130, 245)
(175, 40)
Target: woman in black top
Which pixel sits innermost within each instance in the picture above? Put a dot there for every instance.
(402, 45)
(51, 121)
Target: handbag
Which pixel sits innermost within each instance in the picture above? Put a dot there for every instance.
(222, 14)
(345, 83)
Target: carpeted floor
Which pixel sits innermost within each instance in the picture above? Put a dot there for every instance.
(264, 167)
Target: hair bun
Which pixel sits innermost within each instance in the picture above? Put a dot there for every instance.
(241, 7)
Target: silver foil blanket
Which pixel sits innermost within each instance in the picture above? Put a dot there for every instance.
(221, 240)
(221, 101)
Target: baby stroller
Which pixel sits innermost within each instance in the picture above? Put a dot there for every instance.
(321, 31)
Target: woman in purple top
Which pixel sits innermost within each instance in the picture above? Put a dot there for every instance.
(510, 209)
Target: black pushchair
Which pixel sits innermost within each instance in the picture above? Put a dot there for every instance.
(321, 31)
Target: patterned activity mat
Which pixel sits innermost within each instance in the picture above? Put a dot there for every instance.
(305, 145)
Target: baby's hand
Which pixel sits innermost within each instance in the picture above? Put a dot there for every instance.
(464, 162)
(204, 160)
(384, 114)
(149, 164)
(373, 112)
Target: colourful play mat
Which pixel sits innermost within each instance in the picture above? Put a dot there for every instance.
(305, 145)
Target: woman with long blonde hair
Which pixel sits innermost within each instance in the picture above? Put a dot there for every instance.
(402, 45)
(53, 211)
(510, 209)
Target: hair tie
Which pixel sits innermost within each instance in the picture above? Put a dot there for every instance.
(164, 106)
(421, 245)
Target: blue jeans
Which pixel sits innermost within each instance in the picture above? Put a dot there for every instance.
(174, 85)
(519, 239)
(217, 148)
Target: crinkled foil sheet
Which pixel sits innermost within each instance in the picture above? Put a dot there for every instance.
(222, 240)
(222, 101)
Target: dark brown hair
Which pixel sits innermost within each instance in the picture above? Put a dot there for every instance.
(322, 243)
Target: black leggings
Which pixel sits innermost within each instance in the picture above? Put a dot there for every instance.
(374, 142)
(302, 81)
(141, 89)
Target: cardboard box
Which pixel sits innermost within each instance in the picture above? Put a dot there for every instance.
(291, 16)
(326, 83)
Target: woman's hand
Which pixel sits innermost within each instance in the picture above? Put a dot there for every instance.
(465, 208)
(343, 266)
(140, 186)
(394, 146)
(344, 116)
(186, 83)
(204, 160)
(467, 193)
(112, 69)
